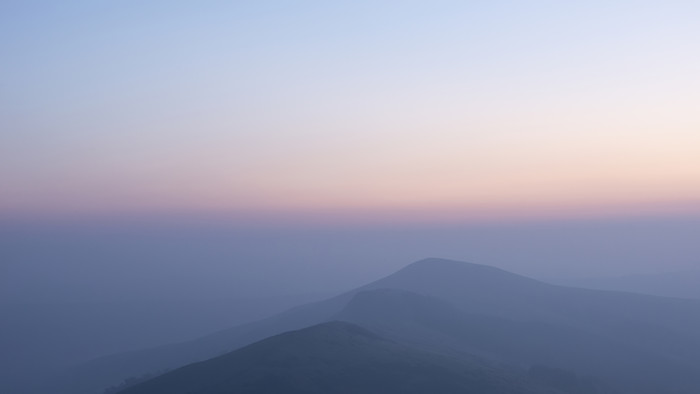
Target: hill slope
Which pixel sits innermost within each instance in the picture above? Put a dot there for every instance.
(334, 357)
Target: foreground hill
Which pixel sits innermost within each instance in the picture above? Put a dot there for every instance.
(584, 330)
(335, 357)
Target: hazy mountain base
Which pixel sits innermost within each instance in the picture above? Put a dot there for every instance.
(432, 324)
(42, 338)
(646, 344)
(339, 357)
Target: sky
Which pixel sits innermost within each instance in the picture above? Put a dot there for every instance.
(259, 147)
(352, 110)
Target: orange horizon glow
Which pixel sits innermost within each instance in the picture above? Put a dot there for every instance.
(368, 215)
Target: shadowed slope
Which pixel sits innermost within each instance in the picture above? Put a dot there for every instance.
(335, 357)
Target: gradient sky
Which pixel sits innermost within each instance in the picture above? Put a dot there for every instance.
(171, 153)
(362, 108)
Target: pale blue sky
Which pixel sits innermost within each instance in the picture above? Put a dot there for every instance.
(441, 106)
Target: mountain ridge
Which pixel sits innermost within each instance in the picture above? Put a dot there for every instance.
(335, 357)
(668, 328)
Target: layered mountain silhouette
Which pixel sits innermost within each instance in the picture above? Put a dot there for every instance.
(430, 323)
(625, 343)
(337, 357)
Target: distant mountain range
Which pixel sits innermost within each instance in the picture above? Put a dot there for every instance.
(670, 284)
(472, 319)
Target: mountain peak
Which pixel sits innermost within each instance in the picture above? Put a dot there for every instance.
(334, 357)
(475, 287)
(433, 263)
(440, 272)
